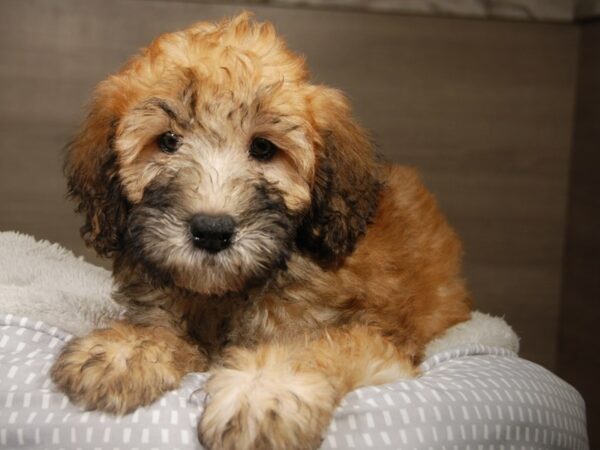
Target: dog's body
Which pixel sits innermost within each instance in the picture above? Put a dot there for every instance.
(254, 234)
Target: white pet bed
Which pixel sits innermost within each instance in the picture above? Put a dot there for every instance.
(475, 393)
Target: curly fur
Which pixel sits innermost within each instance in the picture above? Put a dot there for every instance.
(340, 271)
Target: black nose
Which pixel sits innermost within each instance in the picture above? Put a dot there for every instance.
(212, 233)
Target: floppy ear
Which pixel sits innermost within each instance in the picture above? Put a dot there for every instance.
(91, 169)
(346, 185)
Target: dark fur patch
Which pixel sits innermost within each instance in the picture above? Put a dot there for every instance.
(343, 204)
(162, 199)
(346, 187)
(158, 199)
(100, 199)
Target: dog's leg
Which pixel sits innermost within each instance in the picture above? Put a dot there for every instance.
(125, 366)
(283, 395)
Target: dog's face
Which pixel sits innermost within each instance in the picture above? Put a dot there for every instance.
(210, 157)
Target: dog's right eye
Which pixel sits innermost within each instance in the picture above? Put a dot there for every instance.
(262, 149)
(169, 142)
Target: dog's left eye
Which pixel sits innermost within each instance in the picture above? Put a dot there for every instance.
(169, 142)
(262, 149)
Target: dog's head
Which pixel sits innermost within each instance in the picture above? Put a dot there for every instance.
(210, 157)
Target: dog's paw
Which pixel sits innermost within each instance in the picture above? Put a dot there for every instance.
(266, 407)
(116, 369)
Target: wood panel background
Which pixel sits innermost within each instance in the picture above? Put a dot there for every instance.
(482, 108)
(578, 357)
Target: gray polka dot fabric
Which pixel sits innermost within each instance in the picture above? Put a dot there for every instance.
(470, 398)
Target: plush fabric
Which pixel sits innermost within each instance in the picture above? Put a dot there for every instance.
(43, 281)
(474, 392)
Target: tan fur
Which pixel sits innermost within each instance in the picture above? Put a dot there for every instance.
(282, 395)
(123, 367)
(341, 271)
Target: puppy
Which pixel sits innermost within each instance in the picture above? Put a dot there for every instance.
(254, 234)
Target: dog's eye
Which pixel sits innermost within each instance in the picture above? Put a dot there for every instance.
(262, 149)
(169, 142)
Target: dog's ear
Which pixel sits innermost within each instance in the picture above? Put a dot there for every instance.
(346, 184)
(91, 169)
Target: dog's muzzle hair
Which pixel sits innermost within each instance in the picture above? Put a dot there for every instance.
(210, 253)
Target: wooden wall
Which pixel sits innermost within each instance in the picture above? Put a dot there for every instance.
(578, 356)
(482, 108)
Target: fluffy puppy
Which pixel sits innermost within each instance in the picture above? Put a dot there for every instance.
(254, 234)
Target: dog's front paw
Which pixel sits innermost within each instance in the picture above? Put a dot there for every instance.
(266, 406)
(120, 368)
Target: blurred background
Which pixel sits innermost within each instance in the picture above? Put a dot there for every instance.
(497, 103)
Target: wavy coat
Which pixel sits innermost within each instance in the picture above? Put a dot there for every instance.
(341, 269)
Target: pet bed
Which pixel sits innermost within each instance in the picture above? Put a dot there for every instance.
(474, 392)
